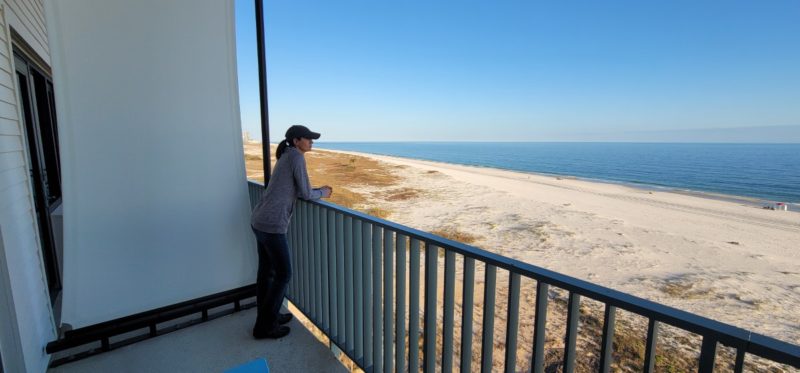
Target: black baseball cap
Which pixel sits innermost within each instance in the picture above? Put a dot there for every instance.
(301, 131)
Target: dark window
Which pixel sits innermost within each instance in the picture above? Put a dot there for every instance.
(39, 116)
(49, 135)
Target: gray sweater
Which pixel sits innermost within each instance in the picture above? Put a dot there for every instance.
(289, 181)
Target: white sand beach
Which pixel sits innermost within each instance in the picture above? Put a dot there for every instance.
(728, 261)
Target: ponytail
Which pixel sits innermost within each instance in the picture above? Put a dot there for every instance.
(282, 147)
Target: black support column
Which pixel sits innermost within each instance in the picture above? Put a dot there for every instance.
(262, 89)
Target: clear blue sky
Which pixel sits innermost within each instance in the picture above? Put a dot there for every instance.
(526, 70)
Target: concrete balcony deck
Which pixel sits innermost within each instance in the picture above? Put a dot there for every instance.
(214, 346)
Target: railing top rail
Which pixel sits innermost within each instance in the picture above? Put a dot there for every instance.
(727, 334)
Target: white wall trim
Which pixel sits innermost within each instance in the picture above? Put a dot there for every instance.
(10, 343)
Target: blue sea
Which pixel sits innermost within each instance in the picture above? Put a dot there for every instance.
(769, 172)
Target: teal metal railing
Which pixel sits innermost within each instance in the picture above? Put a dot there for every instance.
(350, 277)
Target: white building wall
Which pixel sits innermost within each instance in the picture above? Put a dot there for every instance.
(23, 261)
(156, 206)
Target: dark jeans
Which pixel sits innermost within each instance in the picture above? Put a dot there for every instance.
(274, 273)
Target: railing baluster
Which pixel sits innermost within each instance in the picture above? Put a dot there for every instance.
(311, 311)
(377, 292)
(303, 232)
(312, 253)
(540, 328)
(708, 352)
(413, 306)
(607, 346)
(333, 273)
(366, 263)
(308, 241)
(388, 299)
(358, 281)
(429, 342)
(573, 319)
(301, 259)
(650, 346)
(449, 305)
(739, 367)
(467, 305)
(340, 281)
(324, 261)
(297, 266)
(512, 326)
(400, 313)
(317, 255)
(296, 245)
(348, 282)
(291, 292)
(487, 341)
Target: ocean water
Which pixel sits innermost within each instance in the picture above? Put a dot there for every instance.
(769, 172)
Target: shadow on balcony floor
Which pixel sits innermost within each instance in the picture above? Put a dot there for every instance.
(214, 346)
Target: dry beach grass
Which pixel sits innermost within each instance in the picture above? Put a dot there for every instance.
(726, 261)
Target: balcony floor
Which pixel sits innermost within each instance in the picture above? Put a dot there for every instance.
(214, 346)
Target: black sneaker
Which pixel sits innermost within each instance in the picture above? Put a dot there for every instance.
(284, 318)
(276, 333)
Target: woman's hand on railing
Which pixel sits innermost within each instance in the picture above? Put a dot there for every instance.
(326, 191)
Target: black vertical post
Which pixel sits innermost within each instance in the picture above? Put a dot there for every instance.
(262, 89)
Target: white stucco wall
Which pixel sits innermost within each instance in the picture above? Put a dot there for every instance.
(155, 199)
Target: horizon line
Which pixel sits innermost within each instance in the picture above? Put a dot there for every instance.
(548, 141)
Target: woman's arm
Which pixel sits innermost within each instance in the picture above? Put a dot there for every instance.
(304, 189)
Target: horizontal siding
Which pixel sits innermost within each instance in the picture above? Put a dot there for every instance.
(18, 231)
(8, 111)
(21, 234)
(29, 22)
(12, 177)
(14, 192)
(7, 70)
(6, 66)
(7, 86)
(11, 160)
(4, 52)
(5, 62)
(35, 18)
(7, 93)
(10, 144)
(8, 128)
(33, 23)
(8, 90)
(6, 79)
